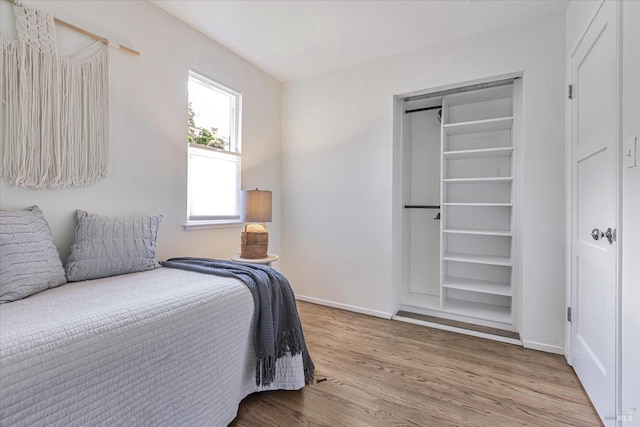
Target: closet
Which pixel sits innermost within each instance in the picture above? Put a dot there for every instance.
(458, 175)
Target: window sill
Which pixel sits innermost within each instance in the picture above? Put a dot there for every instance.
(205, 225)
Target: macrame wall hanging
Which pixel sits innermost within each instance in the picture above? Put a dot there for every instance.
(54, 109)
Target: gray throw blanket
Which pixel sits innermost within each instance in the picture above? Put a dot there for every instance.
(276, 323)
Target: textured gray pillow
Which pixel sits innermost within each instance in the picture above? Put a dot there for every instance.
(29, 261)
(107, 246)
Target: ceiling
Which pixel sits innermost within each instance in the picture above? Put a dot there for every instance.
(293, 39)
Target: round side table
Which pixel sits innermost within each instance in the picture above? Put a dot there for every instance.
(266, 261)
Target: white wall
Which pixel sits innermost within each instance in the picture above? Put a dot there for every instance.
(148, 127)
(337, 170)
(579, 15)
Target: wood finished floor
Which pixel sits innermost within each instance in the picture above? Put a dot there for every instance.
(389, 373)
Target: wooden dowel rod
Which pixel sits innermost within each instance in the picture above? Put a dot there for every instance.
(89, 34)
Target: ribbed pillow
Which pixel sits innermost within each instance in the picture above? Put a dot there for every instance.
(29, 261)
(108, 246)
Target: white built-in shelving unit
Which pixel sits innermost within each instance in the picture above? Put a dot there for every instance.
(477, 202)
(458, 175)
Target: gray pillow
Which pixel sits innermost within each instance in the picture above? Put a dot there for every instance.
(29, 261)
(107, 246)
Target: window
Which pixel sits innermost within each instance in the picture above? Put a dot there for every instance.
(214, 152)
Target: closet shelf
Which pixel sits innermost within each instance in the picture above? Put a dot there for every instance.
(478, 259)
(475, 285)
(505, 233)
(478, 310)
(478, 153)
(478, 126)
(496, 93)
(505, 205)
(477, 180)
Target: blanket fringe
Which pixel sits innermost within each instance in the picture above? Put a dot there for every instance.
(277, 328)
(308, 375)
(265, 370)
(288, 342)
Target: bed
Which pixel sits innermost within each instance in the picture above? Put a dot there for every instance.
(161, 347)
(157, 347)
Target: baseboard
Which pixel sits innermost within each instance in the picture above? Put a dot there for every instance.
(526, 344)
(543, 347)
(346, 307)
(567, 358)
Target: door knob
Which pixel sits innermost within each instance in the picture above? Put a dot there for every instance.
(609, 234)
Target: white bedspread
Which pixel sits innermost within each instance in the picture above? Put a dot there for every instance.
(165, 347)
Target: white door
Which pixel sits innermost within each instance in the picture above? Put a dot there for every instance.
(594, 210)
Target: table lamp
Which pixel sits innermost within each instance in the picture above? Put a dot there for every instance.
(255, 207)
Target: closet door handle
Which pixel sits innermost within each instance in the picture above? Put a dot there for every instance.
(610, 234)
(596, 234)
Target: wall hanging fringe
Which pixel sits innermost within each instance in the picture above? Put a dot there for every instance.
(54, 109)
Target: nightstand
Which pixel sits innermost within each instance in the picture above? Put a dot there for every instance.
(266, 261)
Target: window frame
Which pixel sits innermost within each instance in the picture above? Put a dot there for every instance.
(234, 149)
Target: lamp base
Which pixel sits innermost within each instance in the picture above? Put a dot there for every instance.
(254, 245)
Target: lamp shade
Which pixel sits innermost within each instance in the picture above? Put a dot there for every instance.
(255, 205)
